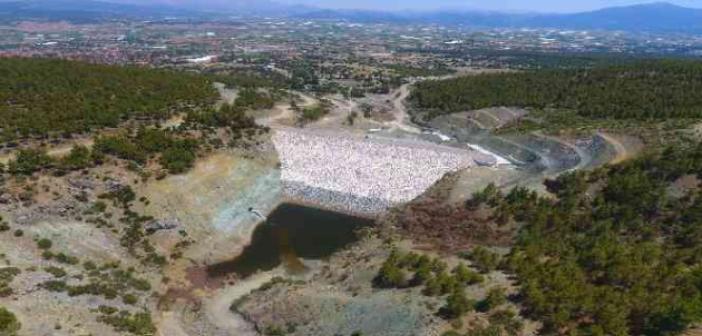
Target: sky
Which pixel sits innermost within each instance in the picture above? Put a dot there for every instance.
(499, 5)
(543, 6)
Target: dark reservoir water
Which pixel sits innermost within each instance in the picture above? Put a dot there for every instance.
(292, 232)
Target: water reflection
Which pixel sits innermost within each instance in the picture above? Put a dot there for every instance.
(291, 233)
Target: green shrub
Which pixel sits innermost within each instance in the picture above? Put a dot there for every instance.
(484, 260)
(139, 324)
(29, 161)
(7, 274)
(457, 304)
(254, 99)
(432, 287)
(56, 271)
(129, 299)
(273, 331)
(107, 310)
(55, 286)
(451, 333)
(180, 157)
(508, 320)
(314, 113)
(121, 147)
(495, 298)
(486, 331)
(139, 284)
(390, 274)
(99, 207)
(466, 276)
(66, 259)
(89, 265)
(44, 243)
(120, 197)
(9, 325)
(80, 157)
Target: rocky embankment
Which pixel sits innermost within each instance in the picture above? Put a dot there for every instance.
(362, 174)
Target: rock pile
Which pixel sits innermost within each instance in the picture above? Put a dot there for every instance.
(361, 174)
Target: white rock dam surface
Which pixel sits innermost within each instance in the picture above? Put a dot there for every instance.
(362, 174)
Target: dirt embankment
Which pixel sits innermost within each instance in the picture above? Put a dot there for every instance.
(625, 147)
(339, 299)
(537, 155)
(214, 200)
(435, 220)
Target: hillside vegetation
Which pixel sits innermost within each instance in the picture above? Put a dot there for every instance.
(618, 252)
(250, 79)
(643, 90)
(43, 97)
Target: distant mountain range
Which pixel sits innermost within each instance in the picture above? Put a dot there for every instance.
(659, 17)
(654, 17)
(83, 11)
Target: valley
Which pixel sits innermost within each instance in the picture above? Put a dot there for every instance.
(321, 176)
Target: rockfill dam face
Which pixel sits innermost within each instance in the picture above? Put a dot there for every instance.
(361, 174)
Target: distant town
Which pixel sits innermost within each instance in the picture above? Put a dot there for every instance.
(271, 42)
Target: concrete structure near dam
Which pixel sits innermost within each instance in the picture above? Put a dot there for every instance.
(362, 174)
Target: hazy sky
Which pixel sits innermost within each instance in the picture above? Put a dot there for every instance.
(498, 5)
(502, 5)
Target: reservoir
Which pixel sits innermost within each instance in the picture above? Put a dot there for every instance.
(292, 233)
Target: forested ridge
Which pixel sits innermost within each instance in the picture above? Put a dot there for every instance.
(40, 97)
(617, 252)
(175, 148)
(654, 89)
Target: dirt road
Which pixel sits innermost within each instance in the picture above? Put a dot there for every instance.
(219, 319)
(585, 158)
(402, 118)
(622, 153)
(283, 114)
(217, 305)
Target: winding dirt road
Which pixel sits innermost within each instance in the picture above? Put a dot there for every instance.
(622, 153)
(585, 158)
(402, 119)
(217, 305)
(283, 112)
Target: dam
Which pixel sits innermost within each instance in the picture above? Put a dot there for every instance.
(360, 173)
